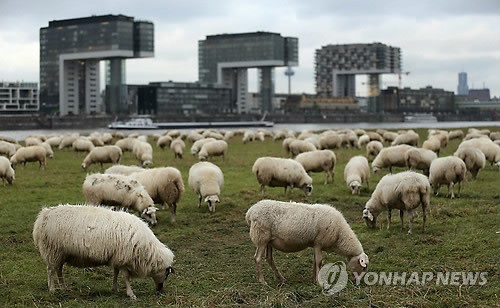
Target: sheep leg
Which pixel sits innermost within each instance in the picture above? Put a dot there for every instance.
(116, 271)
(173, 209)
(401, 217)
(270, 260)
(262, 189)
(450, 189)
(130, 292)
(389, 215)
(317, 262)
(50, 279)
(459, 186)
(199, 201)
(259, 252)
(424, 217)
(60, 276)
(410, 221)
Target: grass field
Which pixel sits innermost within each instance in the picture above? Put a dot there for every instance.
(214, 255)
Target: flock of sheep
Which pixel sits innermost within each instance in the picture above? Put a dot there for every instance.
(132, 248)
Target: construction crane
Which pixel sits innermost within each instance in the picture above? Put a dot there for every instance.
(399, 78)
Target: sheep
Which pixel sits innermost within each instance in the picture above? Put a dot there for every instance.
(7, 148)
(32, 141)
(304, 135)
(67, 141)
(292, 227)
(175, 133)
(82, 144)
(164, 185)
(314, 139)
(363, 140)
(473, 158)
(96, 139)
(420, 159)
(164, 141)
(105, 154)
(194, 136)
(119, 190)
(6, 171)
(107, 138)
(456, 134)
(433, 144)
(8, 139)
(489, 148)
(360, 132)
(84, 236)
(177, 146)
(390, 136)
(357, 172)
(122, 169)
(286, 144)
(448, 170)
(393, 156)
(281, 172)
(213, 148)
(442, 135)
(410, 138)
(375, 136)
(300, 146)
(495, 136)
(248, 136)
(126, 144)
(373, 148)
(330, 140)
(404, 191)
(54, 141)
(30, 154)
(196, 147)
(207, 180)
(228, 135)
(48, 149)
(349, 139)
(143, 152)
(319, 161)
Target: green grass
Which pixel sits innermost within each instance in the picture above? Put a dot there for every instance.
(214, 255)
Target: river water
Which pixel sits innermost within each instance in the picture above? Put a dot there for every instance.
(22, 134)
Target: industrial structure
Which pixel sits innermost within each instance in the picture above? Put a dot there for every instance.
(18, 96)
(336, 67)
(70, 53)
(224, 59)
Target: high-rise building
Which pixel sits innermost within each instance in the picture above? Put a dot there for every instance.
(18, 96)
(70, 52)
(463, 87)
(225, 58)
(337, 65)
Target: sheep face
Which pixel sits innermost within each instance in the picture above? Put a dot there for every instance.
(359, 263)
(149, 215)
(84, 166)
(212, 200)
(355, 187)
(159, 278)
(369, 218)
(147, 163)
(375, 170)
(307, 188)
(10, 179)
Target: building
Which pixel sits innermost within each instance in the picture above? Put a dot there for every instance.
(225, 58)
(18, 97)
(463, 87)
(70, 53)
(336, 67)
(310, 104)
(406, 100)
(186, 98)
(479, 94)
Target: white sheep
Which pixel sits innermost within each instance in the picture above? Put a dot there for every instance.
(213, 148)
(330, 140)
(292, 227)
(363, 140)
(67, 140)
(449, 171)
(433, 144)
(357, 172)
(164, 185)
(122, 169)
(319, 161)
(54, 141)
(119, 190)
(126, 144)
(410, 138)
(105, 154)
(194, 136)
(495, 136)
(82, 144)
(48, 149)
(393, 156)
(286, 144)
(419, 159)
(29, 141)
(143, 152)
(228, 135)
(456, 134)
(473, 158)
(248, 136)
(489, 148)
(207, 180)
(7, 148)
(177, 146)
(315, 140)
(6, 171)
(404, 191)
(30, 154)
(281, 172)
(389, 136)
(164, 141)
(373, 148)
(300, 146)
(196, 147)
(84, 236)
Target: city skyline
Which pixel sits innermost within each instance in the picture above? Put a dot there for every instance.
(438, 39)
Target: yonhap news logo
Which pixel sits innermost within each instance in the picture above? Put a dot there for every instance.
(333, 278)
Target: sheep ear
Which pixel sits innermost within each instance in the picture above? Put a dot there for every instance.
(363, 260)
(367, 215)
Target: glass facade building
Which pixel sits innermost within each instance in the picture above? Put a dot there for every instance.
(70, 52)
(18, 96)
(224, 59)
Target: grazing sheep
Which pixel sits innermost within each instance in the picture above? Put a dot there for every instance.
(433, 144)
(48, 149)
(319, 161)
(119, 190)
(29, 141)
(373, 148)
(7, 148)
(363, 140)
(123, 170)
(489, 148)
(177, 147)
(286, 144)
(393, 156)
(105, 154)
(448, 170)
(67, 141)
(314, 139)
(164, 185)
(8, 139)
(359, 132)
(300, 146)
(30, 154)
(390, 136)
(330, 140)
(126, 144)
(474, 159)
(84, 236)
(175, 133)
(143, 152)
(228, 135)
(194, 136)
(206, 179)
(409, 138)
(441, 135)
(164, 141)
(6, 171)
(54, 141)
(419, 159)
(456, 134)
(357, 172)
(82, 144)
(212, 134)
(292, 227)
(403, 191)
(349, 139)
(196, 147)
(281, 172)
(213, 148)
(96, 139)
(248, 136)
(375, 136)
(304, 135)
(495, 136)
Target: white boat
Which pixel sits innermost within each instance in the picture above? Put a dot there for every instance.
(420, 118)
(147, 123)
(134, 123)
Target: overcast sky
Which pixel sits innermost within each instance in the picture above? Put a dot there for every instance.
(438, 38)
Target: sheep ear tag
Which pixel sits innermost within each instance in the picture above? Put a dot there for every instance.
(362, 261)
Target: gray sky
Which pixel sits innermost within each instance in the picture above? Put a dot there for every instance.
(438, 38)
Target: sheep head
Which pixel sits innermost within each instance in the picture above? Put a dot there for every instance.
(160, 278)
(149, 214)
(355, 187)
(359, 263)
(212, 200)
(369, 218)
